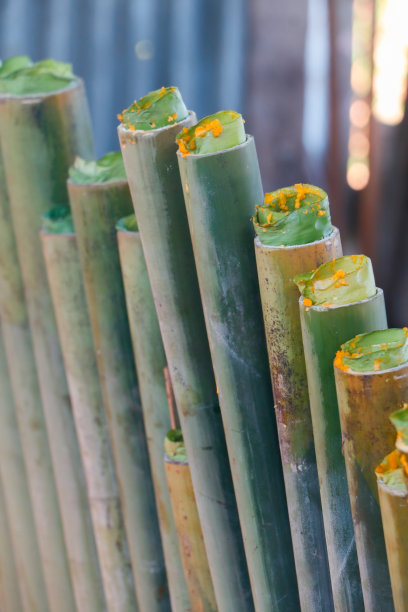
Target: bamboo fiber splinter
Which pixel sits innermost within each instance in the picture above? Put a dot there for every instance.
(277, 266)
(366, 399)
(151, 167)
(96, 209)
(225, 261)
(65, 278)
(41, 133)
(150, 361)
(324, 330)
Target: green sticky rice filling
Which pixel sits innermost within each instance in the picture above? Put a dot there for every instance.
(128, 224)
(174, 446)
(110, 167)
(292, 216)
(391, 473)
(214, 133)
(375, 351)
(343, 280)
(19, 76)
(399, 419)
(157, 109)
(58, 220)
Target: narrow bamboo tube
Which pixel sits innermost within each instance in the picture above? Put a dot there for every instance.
(394, 512)
(154, 180)
(190, 536)
(150, 361)
(96, 209)
(366, 399)
(34, 439)
(40, 135)
(65, 278)
(10, 600)
(225, 261)
(277, 266)
(323, 331)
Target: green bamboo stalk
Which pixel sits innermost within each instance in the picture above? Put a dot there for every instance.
(154, 180)
(34, 440)
(65, 278)
(96, 209)
(225, 261)
(9, 587)
(150, 361)
(324, 329)
(190, 535)
(365, 401)
(40, 135)
(277, 266)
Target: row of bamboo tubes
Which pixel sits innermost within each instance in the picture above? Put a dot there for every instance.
(106, 523)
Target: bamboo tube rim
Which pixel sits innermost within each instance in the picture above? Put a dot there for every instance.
(351, 372)
(392, 490)
(127, 132)
(95, 186)
(167, 459)
(32, 98)
(321, 308)
(270, 247)
(193, 156)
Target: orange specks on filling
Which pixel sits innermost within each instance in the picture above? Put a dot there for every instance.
(321, 213)
(307, 302)
(338, 362)
(131, 127)
(172, 117)
(200, 131)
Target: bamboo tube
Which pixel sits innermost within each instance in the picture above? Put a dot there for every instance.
(365, 401)
(34, 440)
(150, 361)
(324, 330)
(394, 512)
(190, 535)
(225, 262)
(96, 209)
(41, 133)
(65, 278)
(10, 599)
(151, 166)
(277, 266)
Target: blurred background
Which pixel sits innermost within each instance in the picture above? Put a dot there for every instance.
(322, 85)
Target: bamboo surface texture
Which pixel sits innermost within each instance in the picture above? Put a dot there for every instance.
(66, 284)
(277, 266)
(39, 136)
(190, 535)
(151, 166)
(32, 428)
(150, 361)
(96, 209)
(9, 587)
(225, 261)
(323, 331)
(394, 512)
(366, 399)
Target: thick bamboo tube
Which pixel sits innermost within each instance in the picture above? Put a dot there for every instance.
(65, 278)
(394, 512)
(190, 536)
(34, 440)
(154, 180)
(277, 266)
(96, 209)
(225, 261)
(40, 135)
(324, 330)
(150, 361)
(10, 600)
(366, 399)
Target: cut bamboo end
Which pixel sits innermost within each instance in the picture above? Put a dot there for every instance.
(365, 400)
(324, 329)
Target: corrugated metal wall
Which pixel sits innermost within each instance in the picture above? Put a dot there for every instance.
(125, 48)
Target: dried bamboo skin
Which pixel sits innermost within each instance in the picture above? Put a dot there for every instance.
(365, 400)
(323, 331)
(96, 208)
(190, 535)
(65, 279)
(225, 261)
(39, 135)
(394, 512)
(277, 266)
(154, 180)
(150, 361)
